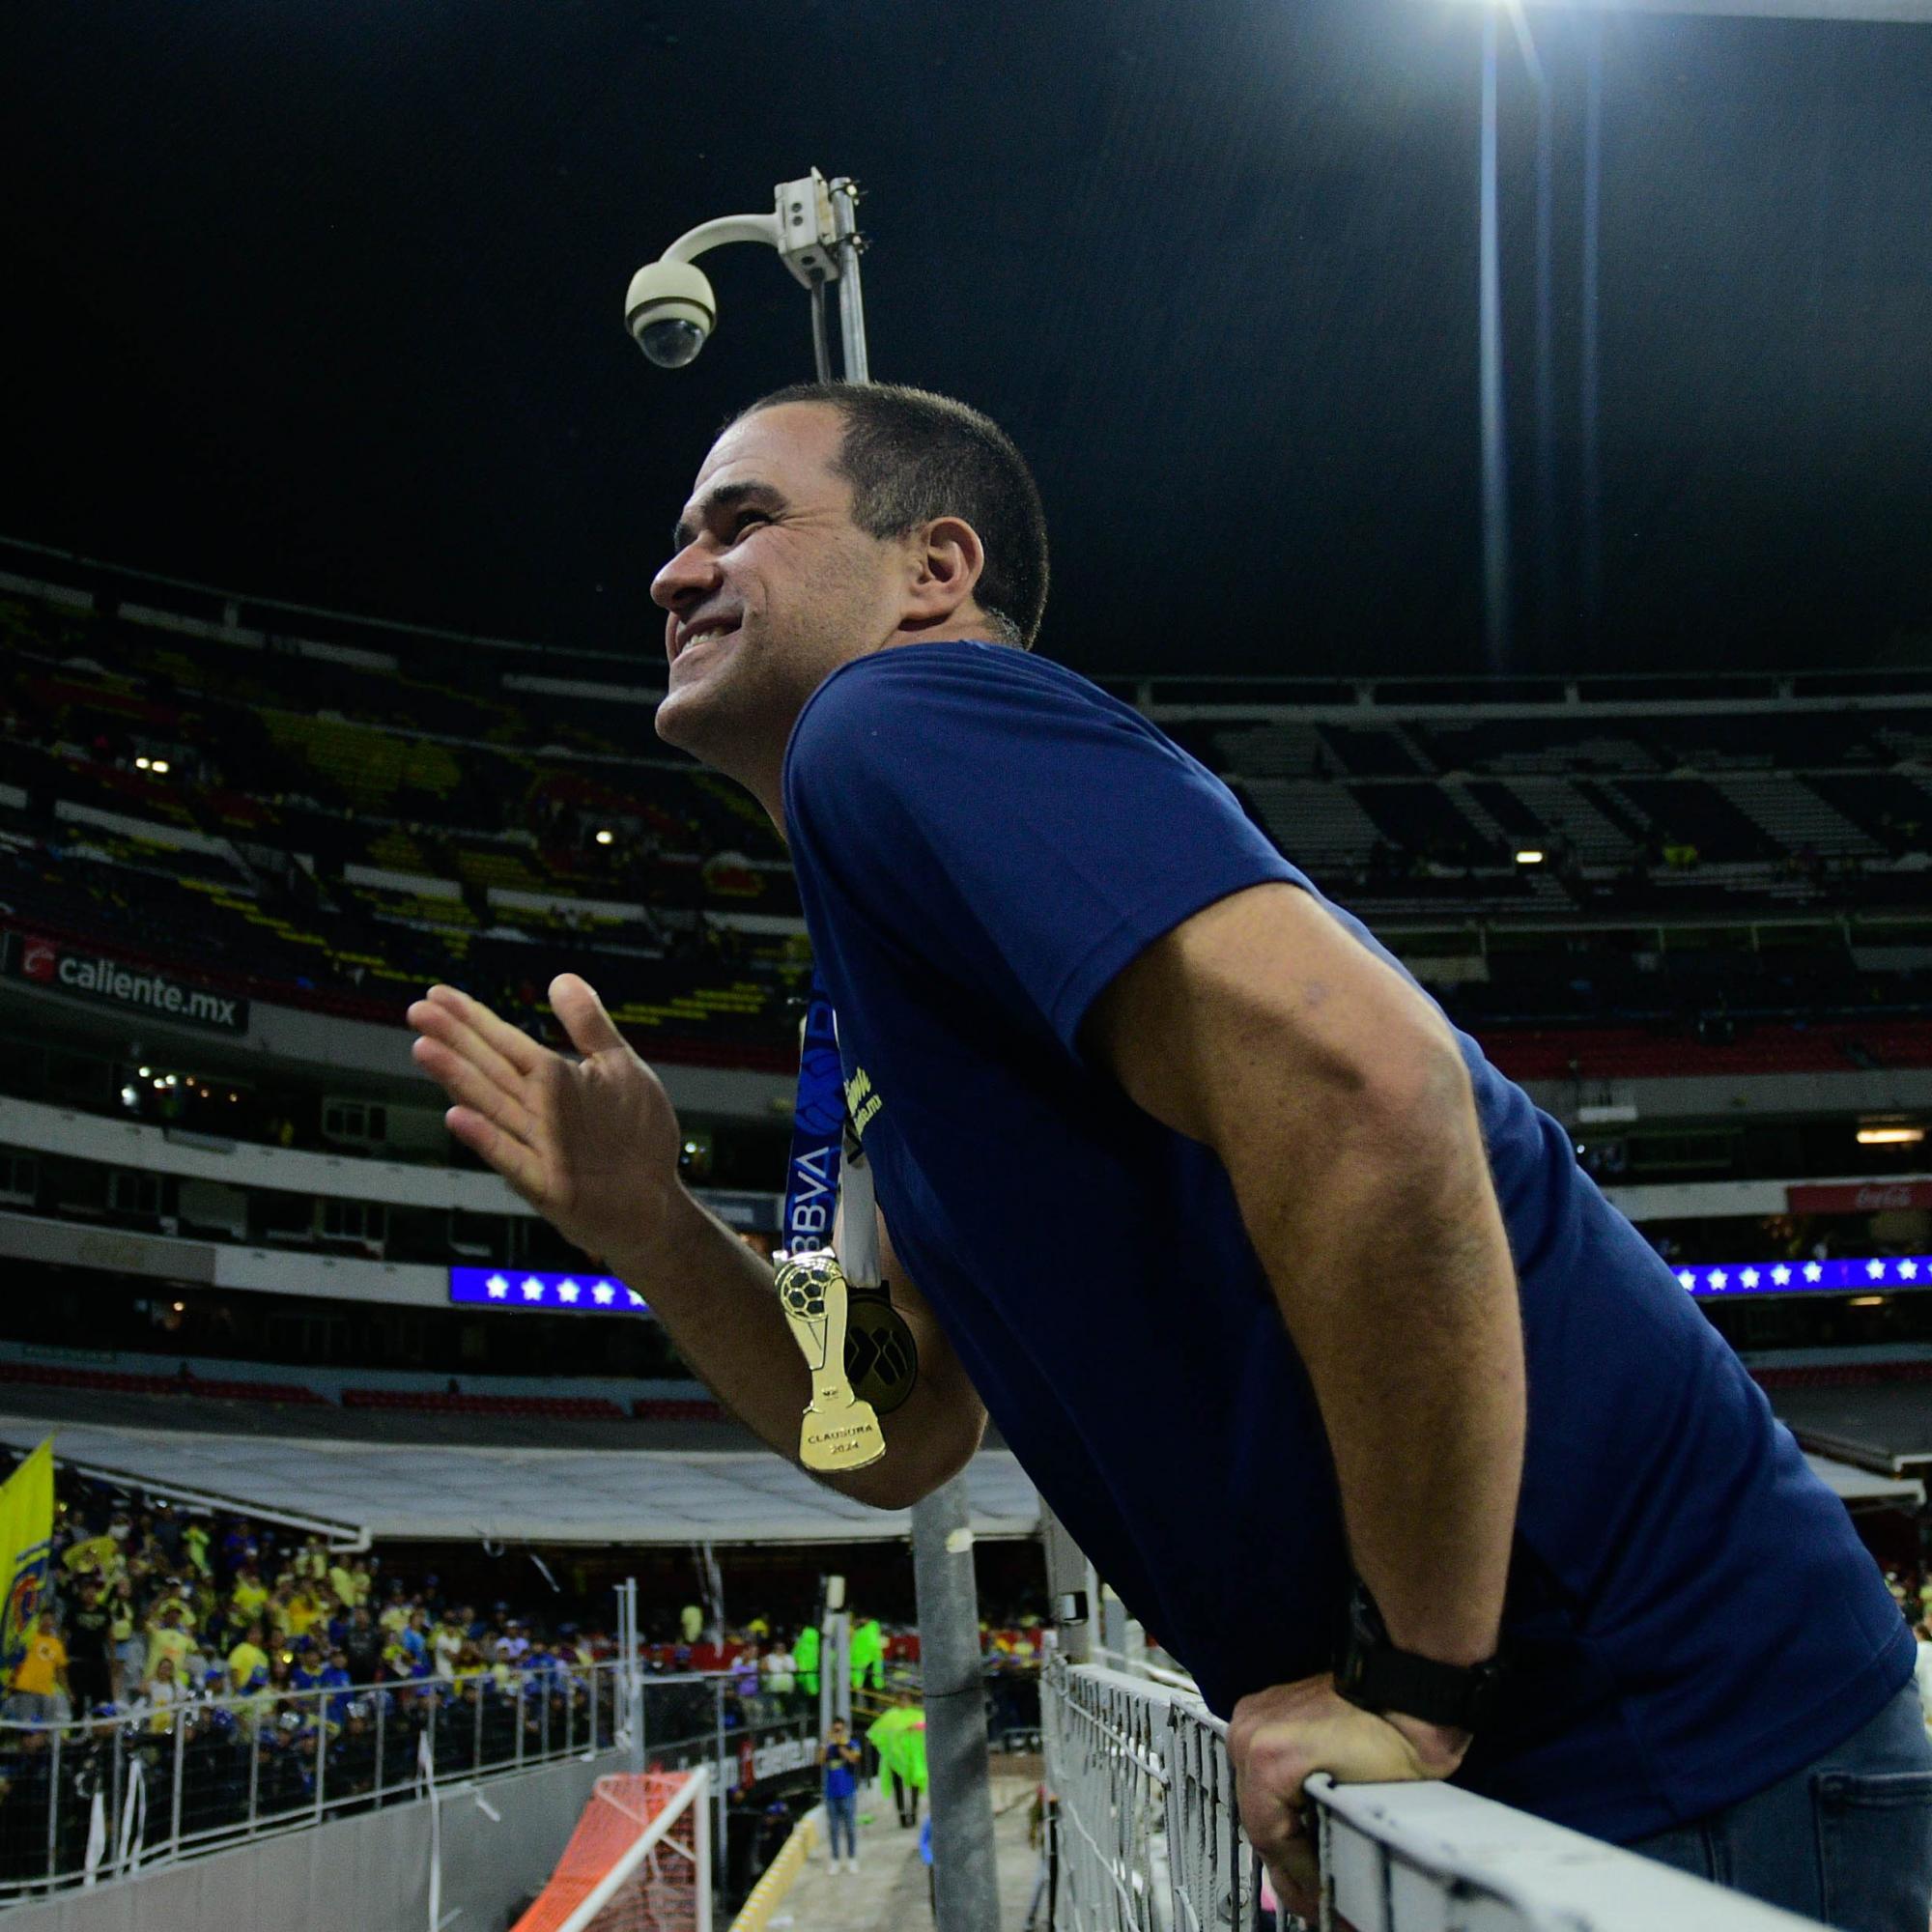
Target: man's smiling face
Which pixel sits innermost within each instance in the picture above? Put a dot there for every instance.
(772, 587)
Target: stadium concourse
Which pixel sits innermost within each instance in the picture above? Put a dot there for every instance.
(282, 1327)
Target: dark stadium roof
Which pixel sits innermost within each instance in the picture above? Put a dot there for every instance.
(1884, 1426)
(442, 1493)
(325, 303)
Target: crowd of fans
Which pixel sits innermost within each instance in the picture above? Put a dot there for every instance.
(281, 1676)
(150, 1611)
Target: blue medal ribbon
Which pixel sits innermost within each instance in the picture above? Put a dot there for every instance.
(817, 1129)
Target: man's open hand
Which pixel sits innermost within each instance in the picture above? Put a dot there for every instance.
(591, 1144)
(1280, 1737)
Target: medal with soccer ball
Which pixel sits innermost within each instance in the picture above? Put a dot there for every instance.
(839, 1430)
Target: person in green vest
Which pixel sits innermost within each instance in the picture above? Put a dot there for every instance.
(899, 1736)
(805, 1659)
(868, 1656)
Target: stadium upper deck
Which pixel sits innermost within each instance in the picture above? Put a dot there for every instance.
(330, 814)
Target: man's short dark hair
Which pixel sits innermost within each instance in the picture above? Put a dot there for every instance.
(912, 456)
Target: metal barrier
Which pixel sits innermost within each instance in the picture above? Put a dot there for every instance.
(106, 1796)
(1145, 1837)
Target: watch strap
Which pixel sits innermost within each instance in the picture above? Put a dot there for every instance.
(1376, 1676)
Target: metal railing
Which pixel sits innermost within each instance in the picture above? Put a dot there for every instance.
(108, 1796)
(1145, 1837)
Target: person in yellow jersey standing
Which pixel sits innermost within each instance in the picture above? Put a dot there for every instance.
(39, 1693)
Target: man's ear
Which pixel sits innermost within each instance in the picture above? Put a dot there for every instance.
(945, 562)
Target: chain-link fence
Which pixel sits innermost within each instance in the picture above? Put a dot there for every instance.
(112, 1794)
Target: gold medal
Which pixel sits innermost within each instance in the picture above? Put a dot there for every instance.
(838, 1430)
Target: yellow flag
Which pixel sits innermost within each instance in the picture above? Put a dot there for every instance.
(26, 1532)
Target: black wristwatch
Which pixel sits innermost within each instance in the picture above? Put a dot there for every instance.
(1379, 1677)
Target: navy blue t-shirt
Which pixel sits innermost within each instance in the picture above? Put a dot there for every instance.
(982, 841)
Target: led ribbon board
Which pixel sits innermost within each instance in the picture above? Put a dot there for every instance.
(1861, 1274)
(579, 1294)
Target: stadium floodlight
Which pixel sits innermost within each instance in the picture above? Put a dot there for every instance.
(1497, 572)
(669, 307)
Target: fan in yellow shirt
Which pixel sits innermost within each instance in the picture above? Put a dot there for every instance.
(249, 1601)
(248, 1662)
(167, 1638)
(304, 1612)
(172, 1599)
(43, 1668)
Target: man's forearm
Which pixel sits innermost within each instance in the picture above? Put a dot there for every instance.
(1394, 1275)
(716, 1299)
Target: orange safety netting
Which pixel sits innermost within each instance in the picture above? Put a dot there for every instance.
(660, 1896)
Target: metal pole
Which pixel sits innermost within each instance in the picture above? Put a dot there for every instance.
(835, 1654)
(53, 1807)
(254, 1769)
(702, 1827)
(1546, 356)
(1544, 319)
(851, 297)
(320, 1752)
(630, 1680)
(825, 1699)
(718, 1711)
(1067, 1577)
(1496, 459)
(382, 1707)
(175, 1808)
(1589, 398)
(116, 1850)
(966, 1876)
(519, 1720)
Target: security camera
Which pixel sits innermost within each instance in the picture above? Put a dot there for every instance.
(671, 311)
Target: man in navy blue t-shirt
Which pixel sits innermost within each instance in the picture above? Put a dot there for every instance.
(1295, 1310)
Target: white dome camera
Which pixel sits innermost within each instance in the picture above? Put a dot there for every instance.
(671, 311)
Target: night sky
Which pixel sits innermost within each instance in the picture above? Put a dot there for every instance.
(324, 303)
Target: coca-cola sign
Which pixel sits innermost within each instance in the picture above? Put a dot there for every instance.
(1857, 1197)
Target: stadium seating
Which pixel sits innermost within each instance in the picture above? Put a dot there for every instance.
(526, 1409)
(334, 829)
(111, 1383)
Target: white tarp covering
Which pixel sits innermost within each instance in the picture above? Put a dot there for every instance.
(1861, 1486)
(549, 1496)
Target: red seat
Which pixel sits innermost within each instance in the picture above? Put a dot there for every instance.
(438, 1402)
(664, 1409)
